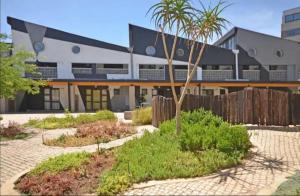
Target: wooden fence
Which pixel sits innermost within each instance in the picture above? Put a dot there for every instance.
(249, 106)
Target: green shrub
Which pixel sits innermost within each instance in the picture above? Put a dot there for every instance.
(201, 130)
(61, 163)
(113, 184)
(206, 144)
(142, 116)
(69, 120)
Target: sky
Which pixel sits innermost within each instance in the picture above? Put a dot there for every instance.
(107, 20)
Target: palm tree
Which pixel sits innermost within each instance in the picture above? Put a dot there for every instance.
(179, 17)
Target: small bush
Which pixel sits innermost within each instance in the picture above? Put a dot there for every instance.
(61, 163)
(142, 116)
(12, 131)
(52, 122)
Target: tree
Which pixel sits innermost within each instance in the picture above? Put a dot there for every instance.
(180, 18)
(12, 66)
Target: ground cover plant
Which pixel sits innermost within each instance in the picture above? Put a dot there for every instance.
(206, 144)
(93, 133)
(290, 187)
(68, 174)
(12, 131)
(142, 116)
(70, 121)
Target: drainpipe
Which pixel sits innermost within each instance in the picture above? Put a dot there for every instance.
(130, 49)
(236, 53)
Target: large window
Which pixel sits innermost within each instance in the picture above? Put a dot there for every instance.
(292, 17)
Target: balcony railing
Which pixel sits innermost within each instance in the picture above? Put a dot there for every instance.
(180, 74)
(151, 74)
(253, 75)
(111, 71)
(278, 75)
(84, 70)
(43, 72)
(217, 74)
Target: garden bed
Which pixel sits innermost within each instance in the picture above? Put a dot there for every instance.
(206, 145)
(69, 174)
(93, 133)
(69, 120)
(12, 131)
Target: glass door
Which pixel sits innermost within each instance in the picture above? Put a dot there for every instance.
(96, 99)
(51, 99)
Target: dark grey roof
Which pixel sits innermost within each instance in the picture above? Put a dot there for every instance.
(19, 25)
(141, 37)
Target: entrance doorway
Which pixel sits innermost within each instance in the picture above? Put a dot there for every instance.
(96, 99)
(51, 99)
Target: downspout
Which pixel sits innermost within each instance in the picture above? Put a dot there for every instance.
(130, 49)
(236, 53)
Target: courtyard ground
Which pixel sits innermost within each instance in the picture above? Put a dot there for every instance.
(275, 155)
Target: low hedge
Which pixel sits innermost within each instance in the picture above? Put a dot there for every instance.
(69, 120)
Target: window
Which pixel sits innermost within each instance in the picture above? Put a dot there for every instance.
(277, 67)
(222, 91)
(145, 66)
(116, 91)
(229, 43)
(81, 65)
(290, 33)
(112, 66)
(250, 67)
(292, 17)
(144, 91)
(208, 92)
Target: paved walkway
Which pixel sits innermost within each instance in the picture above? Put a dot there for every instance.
(20, 155)
(275, 156)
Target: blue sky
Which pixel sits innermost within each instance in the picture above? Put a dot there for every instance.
(107, 20)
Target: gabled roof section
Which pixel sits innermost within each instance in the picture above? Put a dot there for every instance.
(141, 37)
(52, 33)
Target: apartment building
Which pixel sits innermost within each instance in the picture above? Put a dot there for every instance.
(85, 74)
(278, 58)
(290, 27)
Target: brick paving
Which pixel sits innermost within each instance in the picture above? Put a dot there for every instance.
(275, 155)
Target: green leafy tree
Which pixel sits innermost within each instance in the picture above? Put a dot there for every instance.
(181, 19)
(12, 66)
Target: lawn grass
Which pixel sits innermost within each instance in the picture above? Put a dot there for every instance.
(290, 187)
(68, 120)
(164, 155)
